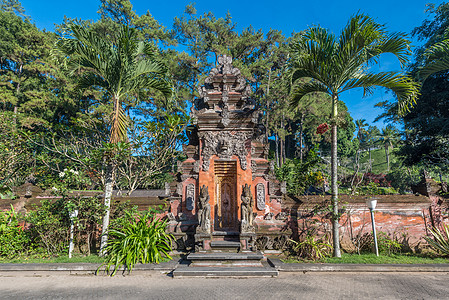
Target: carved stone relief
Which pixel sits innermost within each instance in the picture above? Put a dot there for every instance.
(179, 188)
(247, 209)
(196, 166)
(225, 145)
(203, 211)
(253, 166)
(190, 196)
(269, 216)
(260, 196)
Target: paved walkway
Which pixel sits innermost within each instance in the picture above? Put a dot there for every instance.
(154, 285)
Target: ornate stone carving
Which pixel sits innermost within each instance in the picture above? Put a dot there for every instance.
(179, 189)
(171, 217)
(260, 196)
(247, 209)
(225, 145)
(203, 211)
(196, 166)
(182, 216)
(269, 216)
(282, 216)
(253, 166)
(167, 189)
(179, 166)
(190, 196)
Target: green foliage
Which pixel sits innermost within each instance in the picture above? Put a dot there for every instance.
(311, 247)
(14, 241)
(387, 244)
(49, 227)
(143, 239)
(300, 175)
(439, 240)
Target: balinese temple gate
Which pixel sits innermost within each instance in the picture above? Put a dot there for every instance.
(226, 190)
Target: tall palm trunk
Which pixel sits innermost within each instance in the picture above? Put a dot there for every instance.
(107, 203)
(387, 156)
(334, 186)
(300, 137)
(370, 162)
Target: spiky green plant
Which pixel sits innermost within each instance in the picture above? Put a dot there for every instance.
(439, 240)
(144, 239)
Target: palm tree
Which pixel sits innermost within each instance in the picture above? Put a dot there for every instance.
(388, 138)
(372, 136)
(123, 68)
(333, 65)
(437, 59)
(360, 125)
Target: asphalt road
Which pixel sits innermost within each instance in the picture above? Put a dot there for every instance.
(154, 285)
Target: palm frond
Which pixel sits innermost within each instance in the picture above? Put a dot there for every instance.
(304, 89)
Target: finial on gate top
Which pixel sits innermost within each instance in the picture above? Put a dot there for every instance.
(225, 67)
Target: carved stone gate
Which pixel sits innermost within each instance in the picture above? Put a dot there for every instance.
(225, 188)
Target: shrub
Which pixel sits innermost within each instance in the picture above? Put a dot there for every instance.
(439, 240)
(49, 227)
(13, 240)
(143, 239)
(311, 247)
(386, 244)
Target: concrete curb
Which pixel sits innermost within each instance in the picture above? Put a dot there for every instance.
(298, 267)
(166, 267)
(80, 268)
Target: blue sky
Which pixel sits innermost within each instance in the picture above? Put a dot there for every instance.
(288, 16)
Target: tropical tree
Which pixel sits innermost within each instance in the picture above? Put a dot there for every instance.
(360, 125)
(388, 138)
(333, 65)
(437, 59)
(123, 67)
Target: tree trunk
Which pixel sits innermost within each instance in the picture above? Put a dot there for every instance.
(300, 138)
(268, 106)
(370, 162)
(277, 149)
(334, 186)
(387, 156)
(109, 181)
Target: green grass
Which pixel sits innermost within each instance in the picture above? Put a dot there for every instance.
(59, 259)
(373, 259)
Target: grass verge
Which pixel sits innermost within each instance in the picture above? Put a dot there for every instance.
(59, 259)
(373, 259)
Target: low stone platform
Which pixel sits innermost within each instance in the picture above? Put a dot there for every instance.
(226, 264)
(225, 272)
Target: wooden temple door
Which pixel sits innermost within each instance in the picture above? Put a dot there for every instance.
(226, 218)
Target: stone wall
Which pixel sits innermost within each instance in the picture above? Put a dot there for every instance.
(406, 217)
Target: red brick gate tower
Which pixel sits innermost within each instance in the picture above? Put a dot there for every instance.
(225, 184)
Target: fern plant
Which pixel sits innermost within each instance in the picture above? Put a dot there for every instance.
(439, 240)
(144, 239)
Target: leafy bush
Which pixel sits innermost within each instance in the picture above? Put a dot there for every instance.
(439, 240)
(143, 239)
(386, 244)
(300, 175)
(13, 240)
(49, 227)
(312, 247)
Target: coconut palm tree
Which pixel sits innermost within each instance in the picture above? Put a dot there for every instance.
(333, 65)
(122, 67)
(388, 138)
(360, 127)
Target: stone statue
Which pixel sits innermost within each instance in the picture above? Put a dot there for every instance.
(204, 210)
(247, 209)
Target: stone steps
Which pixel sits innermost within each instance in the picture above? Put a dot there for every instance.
(225, 272)
(222, 264)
